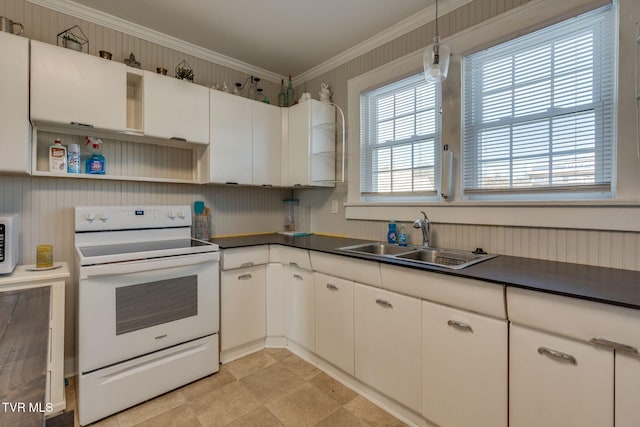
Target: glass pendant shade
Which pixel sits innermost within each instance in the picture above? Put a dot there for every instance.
(436, 61)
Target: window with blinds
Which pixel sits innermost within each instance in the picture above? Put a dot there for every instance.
(400, 136)
(539, 111)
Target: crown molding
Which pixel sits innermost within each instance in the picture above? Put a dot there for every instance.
(118, 24)
(403, 27)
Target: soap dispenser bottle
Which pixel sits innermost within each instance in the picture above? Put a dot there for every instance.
(402, 240)
(392, 234)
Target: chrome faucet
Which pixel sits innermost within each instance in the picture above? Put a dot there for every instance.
(425, 225)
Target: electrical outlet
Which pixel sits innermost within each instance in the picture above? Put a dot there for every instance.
(334, 206)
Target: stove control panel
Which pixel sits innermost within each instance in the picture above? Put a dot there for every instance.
(102, 218)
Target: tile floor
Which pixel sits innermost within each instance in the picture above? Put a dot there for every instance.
(272, 387)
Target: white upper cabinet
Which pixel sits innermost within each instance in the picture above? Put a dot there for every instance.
(74, 88)
(175, 109)
(14, 104)
(267, 143)
(246, 138)
(311, 144)
(231, 139)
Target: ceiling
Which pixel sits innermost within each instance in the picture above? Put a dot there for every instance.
(286, 37)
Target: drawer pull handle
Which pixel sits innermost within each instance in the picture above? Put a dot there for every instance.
(293, 264)
(558, 355)
(614, 345)
(384, 303)
(246, 264)
(460, 326)
(245, 276)
(332, 287)
(297, 276)
(178, 138)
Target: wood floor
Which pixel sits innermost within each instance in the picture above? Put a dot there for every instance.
(272, 387)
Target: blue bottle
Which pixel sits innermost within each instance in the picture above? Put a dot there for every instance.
(392, 235)
(95, 163)
(402, 240)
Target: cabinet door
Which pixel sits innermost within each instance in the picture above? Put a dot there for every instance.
(334, 321)
(464, 367)
(14, 104)
(298, 144)
(175, 109)
(627, 401)
(299, 307)
(242, 306)
(231, 139)
(555, 381)
(387, 343)
(267, 143)
(69, 87)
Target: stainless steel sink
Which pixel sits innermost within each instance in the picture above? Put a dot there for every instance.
(379, 248)
(448, 258)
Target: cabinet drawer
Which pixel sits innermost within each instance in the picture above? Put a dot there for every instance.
(366, 272)
(573, 317)
(244, 257)
(290, 256)
(473, 295)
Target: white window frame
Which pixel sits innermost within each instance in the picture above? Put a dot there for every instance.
(602, 105)
(369, 144)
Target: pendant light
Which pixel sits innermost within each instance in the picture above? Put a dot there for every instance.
(436, 58)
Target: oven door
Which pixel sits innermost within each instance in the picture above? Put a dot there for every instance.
(126, 310)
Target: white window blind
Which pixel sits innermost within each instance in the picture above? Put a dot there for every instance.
(539, 110)
(400, 140)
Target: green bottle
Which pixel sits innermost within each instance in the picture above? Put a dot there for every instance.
(282, 96)
(290, 93)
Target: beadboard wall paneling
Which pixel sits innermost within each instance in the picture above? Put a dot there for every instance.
(46, 209)
(590, 247)
(44, 24)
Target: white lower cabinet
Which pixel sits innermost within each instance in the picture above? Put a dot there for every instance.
(556, 381)
(627, 390)
(299, 307)
(243, 307)
(334, 321)
(464, 367)
(387, 343)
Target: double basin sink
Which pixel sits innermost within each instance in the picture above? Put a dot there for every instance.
(447, 258)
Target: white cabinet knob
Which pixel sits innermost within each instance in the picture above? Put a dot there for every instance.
(90, 216)
(103, 216)
(181, 214)
(171, 215)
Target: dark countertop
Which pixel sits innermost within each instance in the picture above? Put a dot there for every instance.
(24, 334)
(606, 285)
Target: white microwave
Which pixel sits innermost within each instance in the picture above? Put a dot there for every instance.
(9, 243)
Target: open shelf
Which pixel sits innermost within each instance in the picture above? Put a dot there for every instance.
(125, 160)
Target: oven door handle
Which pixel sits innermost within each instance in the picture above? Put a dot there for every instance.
(147, 265)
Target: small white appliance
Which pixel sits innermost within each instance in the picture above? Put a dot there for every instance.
(9, 243)
(148, 305)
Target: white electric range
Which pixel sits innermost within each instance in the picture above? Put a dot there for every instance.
(148, 305)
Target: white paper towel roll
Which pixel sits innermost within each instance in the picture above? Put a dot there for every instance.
(446, 181)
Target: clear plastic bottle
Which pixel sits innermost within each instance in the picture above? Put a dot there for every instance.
(402, 240)
(252, 91)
